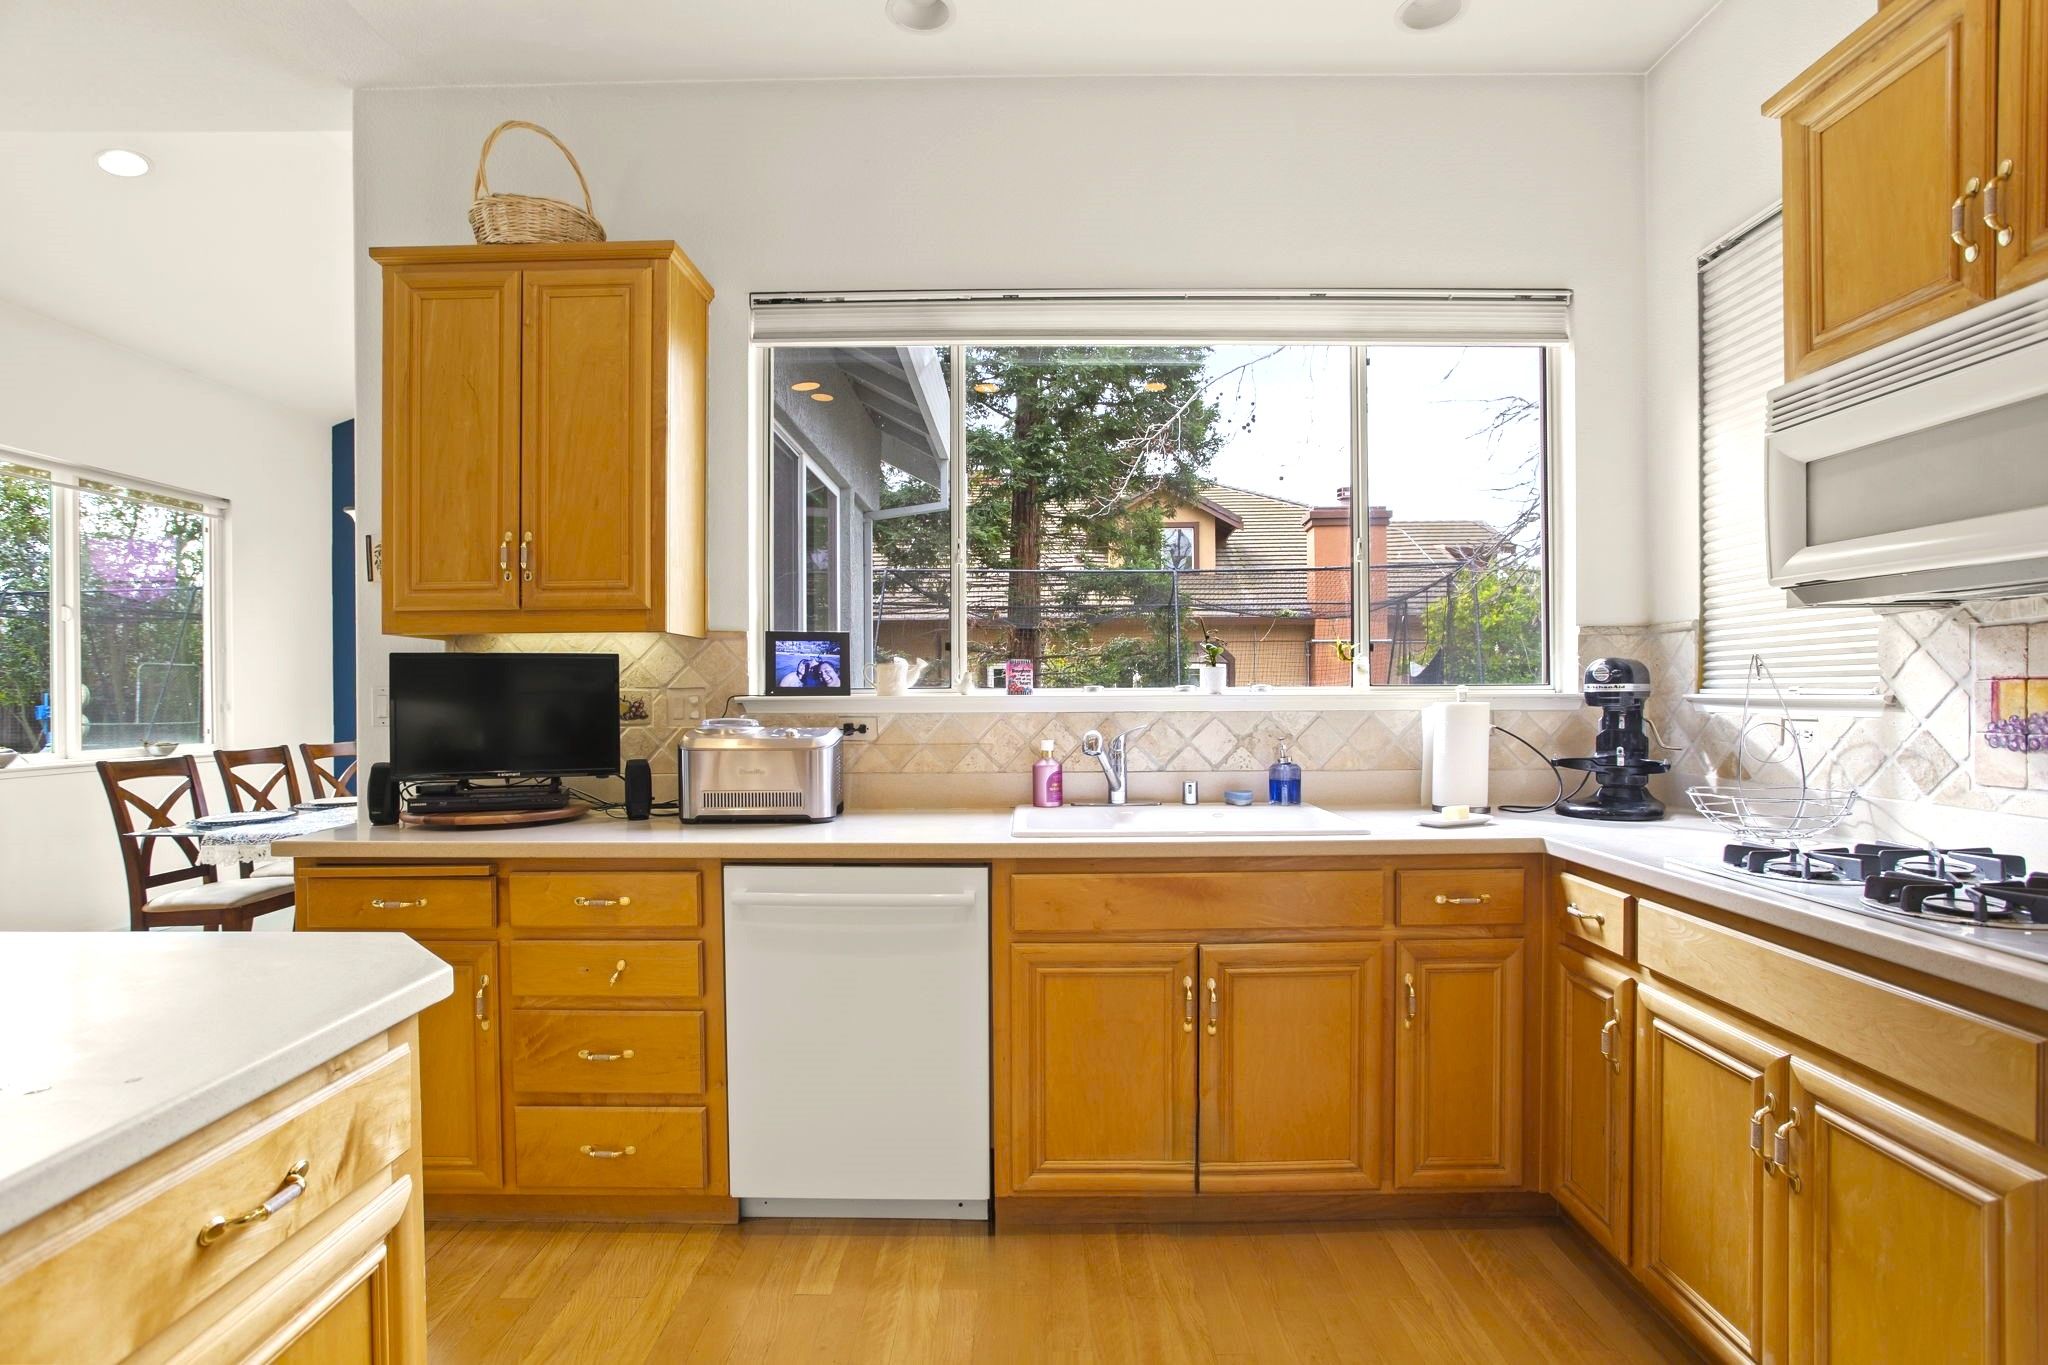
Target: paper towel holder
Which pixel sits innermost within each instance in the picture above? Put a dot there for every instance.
(1456, 743)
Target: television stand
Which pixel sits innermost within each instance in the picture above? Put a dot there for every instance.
(468, 797)
(493, 819)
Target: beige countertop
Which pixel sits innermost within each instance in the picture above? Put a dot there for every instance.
(1642, 853)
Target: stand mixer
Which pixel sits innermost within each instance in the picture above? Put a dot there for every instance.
(1620, 763)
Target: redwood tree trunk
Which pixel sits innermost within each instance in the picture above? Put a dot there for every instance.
(1025, 591)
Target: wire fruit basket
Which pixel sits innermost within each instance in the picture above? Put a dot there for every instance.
(1787, 816)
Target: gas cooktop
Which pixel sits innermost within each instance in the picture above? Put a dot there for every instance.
(1976, 895)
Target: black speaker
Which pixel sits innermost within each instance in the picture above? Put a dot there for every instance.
(381, 792)
(639, 789)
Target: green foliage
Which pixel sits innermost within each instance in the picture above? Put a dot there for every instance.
(24, 606)
(1506, 647)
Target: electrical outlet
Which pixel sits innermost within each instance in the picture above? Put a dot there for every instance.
(685, 706)
(1806, 729)
(859, 729)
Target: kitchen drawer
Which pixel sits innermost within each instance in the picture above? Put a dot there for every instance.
(1195, 902)
(425, 900)
(608, 1052)
(580, 972)
(605, 900)
(1454, 895)
(1588, 912)
(610, 1148)
(348, 1134)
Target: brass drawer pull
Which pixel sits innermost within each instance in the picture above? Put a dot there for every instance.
(618, 971)
(1461, 900)
(607, 1153)
(1608, 1047)
(1958, 217)
(526, 557)
(587, 1055)
(294, 1185)
(1599, 919)
(1781, 1149)
(1187, 1013)
(505, 558)
(1408, 983)
(1756, 1129)
(1212, 1007)
(1992, 218)
(379, 903)
(602, 902)
(482, 984)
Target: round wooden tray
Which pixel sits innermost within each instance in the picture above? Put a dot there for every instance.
(494, 819)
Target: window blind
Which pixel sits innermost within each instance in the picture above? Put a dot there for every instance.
(1045, 317)
(1742, 348)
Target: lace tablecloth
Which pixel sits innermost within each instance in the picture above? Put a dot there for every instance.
(247, 843)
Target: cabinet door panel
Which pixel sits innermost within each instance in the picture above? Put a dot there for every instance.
(1878, 142)
(1102, 1067)
(460, 1116)
(1291, 1066)
(451, 440)
(1701, 1190)
(589, 487)
(1595, 1037)
(1458, 1065)
(2023, 140)
(1909, 1240)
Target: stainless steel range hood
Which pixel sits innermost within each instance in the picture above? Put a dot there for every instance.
(1917, 472)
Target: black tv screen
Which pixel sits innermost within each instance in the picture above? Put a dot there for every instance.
(488, 715)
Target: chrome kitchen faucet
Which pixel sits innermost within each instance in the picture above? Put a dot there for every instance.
(1115, 763)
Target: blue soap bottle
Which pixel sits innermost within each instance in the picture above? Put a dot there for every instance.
(1283, 780)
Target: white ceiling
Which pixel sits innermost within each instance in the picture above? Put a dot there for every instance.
(232, 258)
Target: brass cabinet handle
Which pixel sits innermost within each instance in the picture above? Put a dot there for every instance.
(618, 970)
(483, 983)
(526, 557)
(505, 557)
(1991, 215)
(1781, 1149)
(379, 903)
(1408, 983)
(1599, 919)
(607, 1153)
(1608, 1048)
(587, 1055)
(1959, 220)
(293, 1186)
(1212, 1007)
(1462, 900)
(1187, 1010)
(602, 902)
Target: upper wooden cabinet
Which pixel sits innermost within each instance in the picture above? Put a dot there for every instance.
(2021, 195)
(543, 439)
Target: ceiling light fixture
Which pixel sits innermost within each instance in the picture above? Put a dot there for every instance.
(805, 386)
(919, 16)
(1424, 15)
(122, 162)
(821, 398)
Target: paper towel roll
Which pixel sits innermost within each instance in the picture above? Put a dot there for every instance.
(1455, 738)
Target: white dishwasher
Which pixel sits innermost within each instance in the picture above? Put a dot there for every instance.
(857, 1040)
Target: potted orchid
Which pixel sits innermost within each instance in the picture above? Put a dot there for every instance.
(1212, 673)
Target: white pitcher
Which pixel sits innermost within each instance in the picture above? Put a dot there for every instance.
(894, 677)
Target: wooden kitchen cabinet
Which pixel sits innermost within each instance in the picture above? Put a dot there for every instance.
(1704, 1201)
(543, 438)
(1101, 1041)
(1458, 1064)
(1291, 1047)
(2021, 174)
(461, 1123)
(1592, 1084)
(1909, 1240)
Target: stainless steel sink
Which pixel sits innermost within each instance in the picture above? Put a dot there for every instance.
(1178, 822)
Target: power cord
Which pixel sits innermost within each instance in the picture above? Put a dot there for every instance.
(1556, 773)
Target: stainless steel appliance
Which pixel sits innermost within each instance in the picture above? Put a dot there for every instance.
(744, 770)
(1974, 894)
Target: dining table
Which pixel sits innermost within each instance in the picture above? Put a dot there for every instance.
(219, 843)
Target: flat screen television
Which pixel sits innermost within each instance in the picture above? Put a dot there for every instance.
(504, 715)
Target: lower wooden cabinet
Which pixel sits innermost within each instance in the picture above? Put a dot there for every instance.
(1704, 1200)
(461, 1139)
(1592, 1085)
(1458, 1064)
(1908, 1239)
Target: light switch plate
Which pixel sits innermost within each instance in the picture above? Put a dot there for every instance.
(685, 706)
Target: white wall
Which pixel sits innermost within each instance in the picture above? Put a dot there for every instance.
(1161, 183)
(68, 395)
(1712, 163)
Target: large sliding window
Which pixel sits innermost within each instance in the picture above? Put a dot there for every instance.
(107, 623)
(1321, 512)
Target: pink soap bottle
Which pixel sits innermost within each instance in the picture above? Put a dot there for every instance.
(1046, 778)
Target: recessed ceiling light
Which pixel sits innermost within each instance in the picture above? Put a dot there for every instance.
(122, 162)
(987, 386)
(821, 398)
(1423, 15)
(919, 16)
(1155, 386)
(805, 386)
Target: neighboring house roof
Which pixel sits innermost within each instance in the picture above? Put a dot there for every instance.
(1269, 533)
(1415, 549)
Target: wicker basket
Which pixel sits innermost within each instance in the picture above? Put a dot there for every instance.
(530, 217)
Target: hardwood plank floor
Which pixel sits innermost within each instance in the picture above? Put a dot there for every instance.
(867, 1292)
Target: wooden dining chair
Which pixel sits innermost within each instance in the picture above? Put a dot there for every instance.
(198, 898)
(331, 768)
(251, 778)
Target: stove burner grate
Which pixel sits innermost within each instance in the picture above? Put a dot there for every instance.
(2007, 904)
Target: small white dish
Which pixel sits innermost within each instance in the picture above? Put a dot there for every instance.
(1444, 822)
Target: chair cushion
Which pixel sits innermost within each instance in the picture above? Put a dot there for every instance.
(221, 895)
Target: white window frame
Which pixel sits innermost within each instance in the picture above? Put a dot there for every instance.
(1380, 319)
(67, 668)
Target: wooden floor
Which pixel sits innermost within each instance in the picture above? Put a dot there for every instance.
(885, 1292)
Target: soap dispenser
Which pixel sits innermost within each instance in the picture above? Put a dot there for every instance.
(1283, 780)
(1047, 780)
